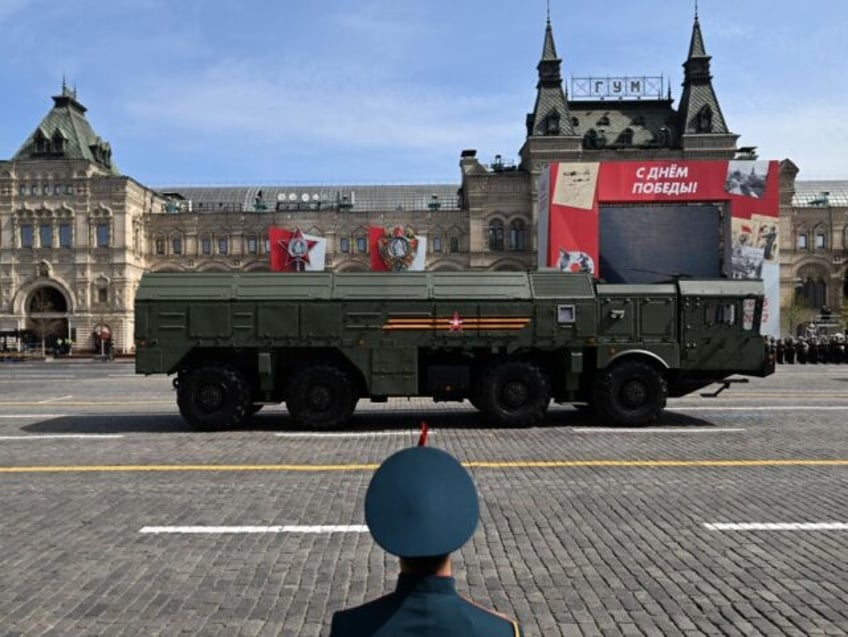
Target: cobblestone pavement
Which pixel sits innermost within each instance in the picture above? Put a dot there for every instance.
(585, 530)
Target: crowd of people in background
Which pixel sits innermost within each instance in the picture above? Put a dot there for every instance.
(810, 349)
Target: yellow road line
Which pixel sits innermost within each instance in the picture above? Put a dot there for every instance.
(515, 464)
(67, 403)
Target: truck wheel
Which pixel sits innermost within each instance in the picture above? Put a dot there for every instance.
(514, 393)
(213, 397)
(630, 394)
(321, 396)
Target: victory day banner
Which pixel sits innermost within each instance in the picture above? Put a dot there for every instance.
(396, 249)
(294, 251)
(573, 196)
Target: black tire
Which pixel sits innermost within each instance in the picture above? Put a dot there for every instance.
(630, 394)
(514, 393)
(320, 397)
(213, 397)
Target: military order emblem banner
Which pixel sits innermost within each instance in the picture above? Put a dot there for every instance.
(396, 249)
(294, 251)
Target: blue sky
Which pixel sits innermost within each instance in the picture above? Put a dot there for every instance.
(384, 91)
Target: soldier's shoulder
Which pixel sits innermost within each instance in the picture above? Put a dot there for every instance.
(364, 619)
(490, 622)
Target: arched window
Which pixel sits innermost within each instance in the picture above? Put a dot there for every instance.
(705, 119)
(46, 300)
(626, 137)
(517, 235)
(496, 235)
(552, 124)
(40, 142)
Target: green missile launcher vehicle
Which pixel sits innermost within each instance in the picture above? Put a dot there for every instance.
(508, 342)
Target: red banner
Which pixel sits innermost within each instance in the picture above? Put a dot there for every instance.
(293, 251)
(396, 249)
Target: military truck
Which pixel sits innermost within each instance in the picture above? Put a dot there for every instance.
(508, 342)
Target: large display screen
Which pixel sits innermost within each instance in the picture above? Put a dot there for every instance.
(646, 244)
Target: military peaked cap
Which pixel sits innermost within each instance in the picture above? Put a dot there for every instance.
(421, 502)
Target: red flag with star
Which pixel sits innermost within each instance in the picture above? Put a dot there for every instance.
(294, 251)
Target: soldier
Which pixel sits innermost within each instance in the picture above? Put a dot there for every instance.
(421, 505)
(813, 350)
(779, 351)
(789, 346)
(801, 348)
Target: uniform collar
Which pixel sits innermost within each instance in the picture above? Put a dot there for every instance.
(425, 584)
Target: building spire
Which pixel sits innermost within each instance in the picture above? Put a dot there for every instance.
(696, 46)
(699, 108)
(550, 115)
(549, 11)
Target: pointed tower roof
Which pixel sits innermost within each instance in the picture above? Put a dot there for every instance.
(550, 116)
(700, 112)
(65, 133)
(696, 46)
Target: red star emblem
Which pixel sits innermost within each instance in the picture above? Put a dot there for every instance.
(296, 250)
(455, 323)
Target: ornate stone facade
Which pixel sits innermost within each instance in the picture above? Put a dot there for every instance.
(814, 254)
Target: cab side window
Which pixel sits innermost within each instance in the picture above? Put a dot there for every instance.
(721, 314)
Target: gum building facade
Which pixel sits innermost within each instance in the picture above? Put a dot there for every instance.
(76, 234)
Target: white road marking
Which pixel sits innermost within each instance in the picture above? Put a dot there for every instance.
(63, 437)
(778, 526)
(12, 416)
(656, 430)
(350, 434)
(771, 408)
(51, 400)
(335, 528)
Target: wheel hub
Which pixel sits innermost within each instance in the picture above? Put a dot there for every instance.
(515, 394)
(210, 398)
(634, 393)
(319, 397)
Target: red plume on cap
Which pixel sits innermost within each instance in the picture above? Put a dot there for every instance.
(422, 439)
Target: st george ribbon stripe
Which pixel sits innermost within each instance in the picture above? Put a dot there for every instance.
(778, 526)
(217, 530)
